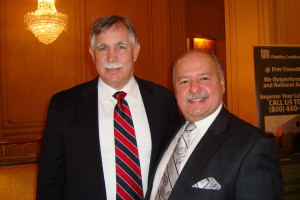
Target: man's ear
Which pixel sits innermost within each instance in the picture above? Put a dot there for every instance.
(136, 51)
(92, 53)
(222, 81)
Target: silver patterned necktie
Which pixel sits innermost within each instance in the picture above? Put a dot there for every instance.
(171, 172)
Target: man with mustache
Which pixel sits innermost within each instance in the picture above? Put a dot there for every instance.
(83, 146)
(214, 155)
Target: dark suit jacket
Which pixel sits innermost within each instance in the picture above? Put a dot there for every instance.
(70, 165)
(241, 159)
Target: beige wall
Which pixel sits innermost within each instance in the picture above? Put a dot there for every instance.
(249, 23)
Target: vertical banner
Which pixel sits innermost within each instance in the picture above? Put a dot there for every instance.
(277, 78)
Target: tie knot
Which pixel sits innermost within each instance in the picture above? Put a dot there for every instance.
(119, 95)
(190, 127)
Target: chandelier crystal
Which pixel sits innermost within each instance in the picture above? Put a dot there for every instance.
(46, 23)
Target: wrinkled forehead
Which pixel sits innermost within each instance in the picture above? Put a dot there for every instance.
(114, 35)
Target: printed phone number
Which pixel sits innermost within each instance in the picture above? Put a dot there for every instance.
(282, 109)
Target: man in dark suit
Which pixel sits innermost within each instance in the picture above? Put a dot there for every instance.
(77, 157)
(214, 155)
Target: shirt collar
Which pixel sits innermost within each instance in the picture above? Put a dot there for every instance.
(107, 92)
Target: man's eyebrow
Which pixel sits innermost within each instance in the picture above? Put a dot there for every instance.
(100, 45)
(122, 43)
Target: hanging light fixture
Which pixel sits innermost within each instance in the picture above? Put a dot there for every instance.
(46, 23)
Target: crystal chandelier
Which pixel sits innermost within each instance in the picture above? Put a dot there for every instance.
(46, 23)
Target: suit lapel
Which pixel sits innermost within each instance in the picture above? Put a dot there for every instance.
(210, 142)
(175, 129)
(151, 108)
(88, 114)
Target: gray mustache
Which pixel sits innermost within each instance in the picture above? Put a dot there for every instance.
(113, 65)
(196, 96)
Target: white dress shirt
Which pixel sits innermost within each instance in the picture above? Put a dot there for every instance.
(202, 127)
(106, 105)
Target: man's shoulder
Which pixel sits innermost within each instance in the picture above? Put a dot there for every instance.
(151, 86)
(245, 129)
(78, 91)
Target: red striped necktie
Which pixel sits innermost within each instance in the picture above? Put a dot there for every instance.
(128, 172)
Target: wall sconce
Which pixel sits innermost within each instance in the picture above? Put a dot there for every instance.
(46, 23)
(206, 43)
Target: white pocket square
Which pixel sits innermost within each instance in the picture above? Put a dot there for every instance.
(208, 183)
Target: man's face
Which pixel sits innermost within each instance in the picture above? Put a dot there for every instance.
(114, 56)
(198, 88)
